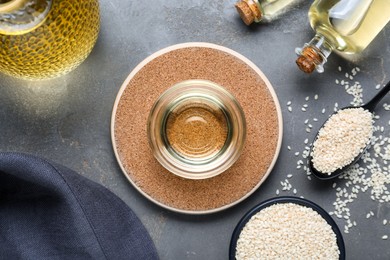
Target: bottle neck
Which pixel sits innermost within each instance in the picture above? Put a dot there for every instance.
(313, 55)
(22, 16)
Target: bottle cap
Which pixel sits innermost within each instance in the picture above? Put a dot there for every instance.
(248, 11)
(308, 59)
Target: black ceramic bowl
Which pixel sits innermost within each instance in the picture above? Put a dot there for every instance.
(286, 199)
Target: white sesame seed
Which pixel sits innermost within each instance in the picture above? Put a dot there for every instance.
(348, 130)
(315, 96)
(385, 237)
(289, 109)
(260, 231)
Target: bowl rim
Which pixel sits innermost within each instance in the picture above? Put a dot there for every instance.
(285, 199)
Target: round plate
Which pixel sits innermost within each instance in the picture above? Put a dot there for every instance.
(210, 62)
(285, 199)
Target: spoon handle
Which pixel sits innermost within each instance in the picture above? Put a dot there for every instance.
(375, 100)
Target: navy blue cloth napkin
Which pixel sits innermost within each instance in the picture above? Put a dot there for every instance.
(48, 211)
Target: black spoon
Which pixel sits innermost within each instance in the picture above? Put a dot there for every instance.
(370, 106)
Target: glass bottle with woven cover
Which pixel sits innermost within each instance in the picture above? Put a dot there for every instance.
(42, 39)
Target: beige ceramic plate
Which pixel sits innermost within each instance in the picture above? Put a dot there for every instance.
(196, 61)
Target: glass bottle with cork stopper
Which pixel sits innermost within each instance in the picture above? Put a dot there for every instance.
(344, 26)
(261, 10)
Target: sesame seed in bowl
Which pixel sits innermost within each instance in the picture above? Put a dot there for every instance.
(287, 228)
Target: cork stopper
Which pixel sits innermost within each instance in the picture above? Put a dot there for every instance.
(309, 59)
(248, 11)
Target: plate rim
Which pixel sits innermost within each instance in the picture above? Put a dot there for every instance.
(198, 45)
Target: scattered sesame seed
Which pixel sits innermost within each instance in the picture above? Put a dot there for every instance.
(288, 103)
(370, 175)
(289, 109)
(378, 86)
(307, 98)
(385, 237)
(303, 109)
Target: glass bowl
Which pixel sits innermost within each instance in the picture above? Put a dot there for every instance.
(196, 129)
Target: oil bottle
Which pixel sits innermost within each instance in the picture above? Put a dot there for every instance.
(46, 38)
(344, 26)
(262, 10)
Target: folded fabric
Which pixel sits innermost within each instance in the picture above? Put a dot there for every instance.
(48, 211)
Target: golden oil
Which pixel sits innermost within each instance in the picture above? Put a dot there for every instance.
(46, 38)
(346, 26)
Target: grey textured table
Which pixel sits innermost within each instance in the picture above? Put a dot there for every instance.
(68, 119)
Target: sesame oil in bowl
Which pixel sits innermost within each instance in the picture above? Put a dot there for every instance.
(196, 129)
